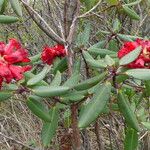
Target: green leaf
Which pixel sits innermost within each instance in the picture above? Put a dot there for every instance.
(109, 61)
(127, 112)
(73, 80)
(130, 12)
(49, 129)
(83, 37)
(3, 4)
(133, 3)
(5, 95)
(16, 7)
(146, 125)
(102, 52)
(38, 109)
(29, 75)
(112, 2)
(57, 79)
(92, 62)
(8, 19)
(60, 66)
(39, 77)
(95, 107)
(131, 140)
(90, 82)
(147, 85)
(100, 44)
(50, 91)
(142, 74)
(130, 57)
(128, 37)
(74, 96)
(35, 58)
(116, 25)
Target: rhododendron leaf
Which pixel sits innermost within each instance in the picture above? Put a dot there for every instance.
(83, 37)
(98, 45)
(49, 128)
(127, 112)
(133, 3)
(37, 78)
(50, 91)
(95, 107)
(8, 19)
(77, 66)
(128, 37)
(74, 96)
(2, 2)
(92, 62)
(60, 66)
(146, 125)
(116, 25)
(142, 74)
(109, 61)
(73, 80)
(131, 139)
(35, 58)
(147, 85)
(30, 75)
(102, 52)
(90, 82)
(130, 57)
(38, 109)
(5, 95)
(57, 79)
(130, 12)
(16, 7)
(112, 2)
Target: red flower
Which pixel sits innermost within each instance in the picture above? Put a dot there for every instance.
(50, 53)
(143, 60)
(10, 54)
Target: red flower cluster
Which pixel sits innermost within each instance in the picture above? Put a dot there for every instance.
(11, 54)
(50, 53)
(143, 60)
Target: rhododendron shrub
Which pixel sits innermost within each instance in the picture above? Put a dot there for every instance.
(82, 76)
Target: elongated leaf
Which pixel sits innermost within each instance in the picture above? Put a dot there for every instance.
(90, 82)
(116, 25)
(142, 74)
(35, 58)
(8, 19)
(16, 7)
(130, 12)
(74, 96)
(97, 45)
(5, 95)
(57, 79)
(130, 57)
(133, 3)
(73, 80)
(146, 125)
(49, 129)
(147, 85)
(60, 66)
(94, 108)
(101, 52)
(1, 5)
(127, 111)
(128, 37)
(83, 37)
(50, 91)
(37, 108)
(29, 75)
(39, 77)
(109, 61)
(92, 62)
(131, 139)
